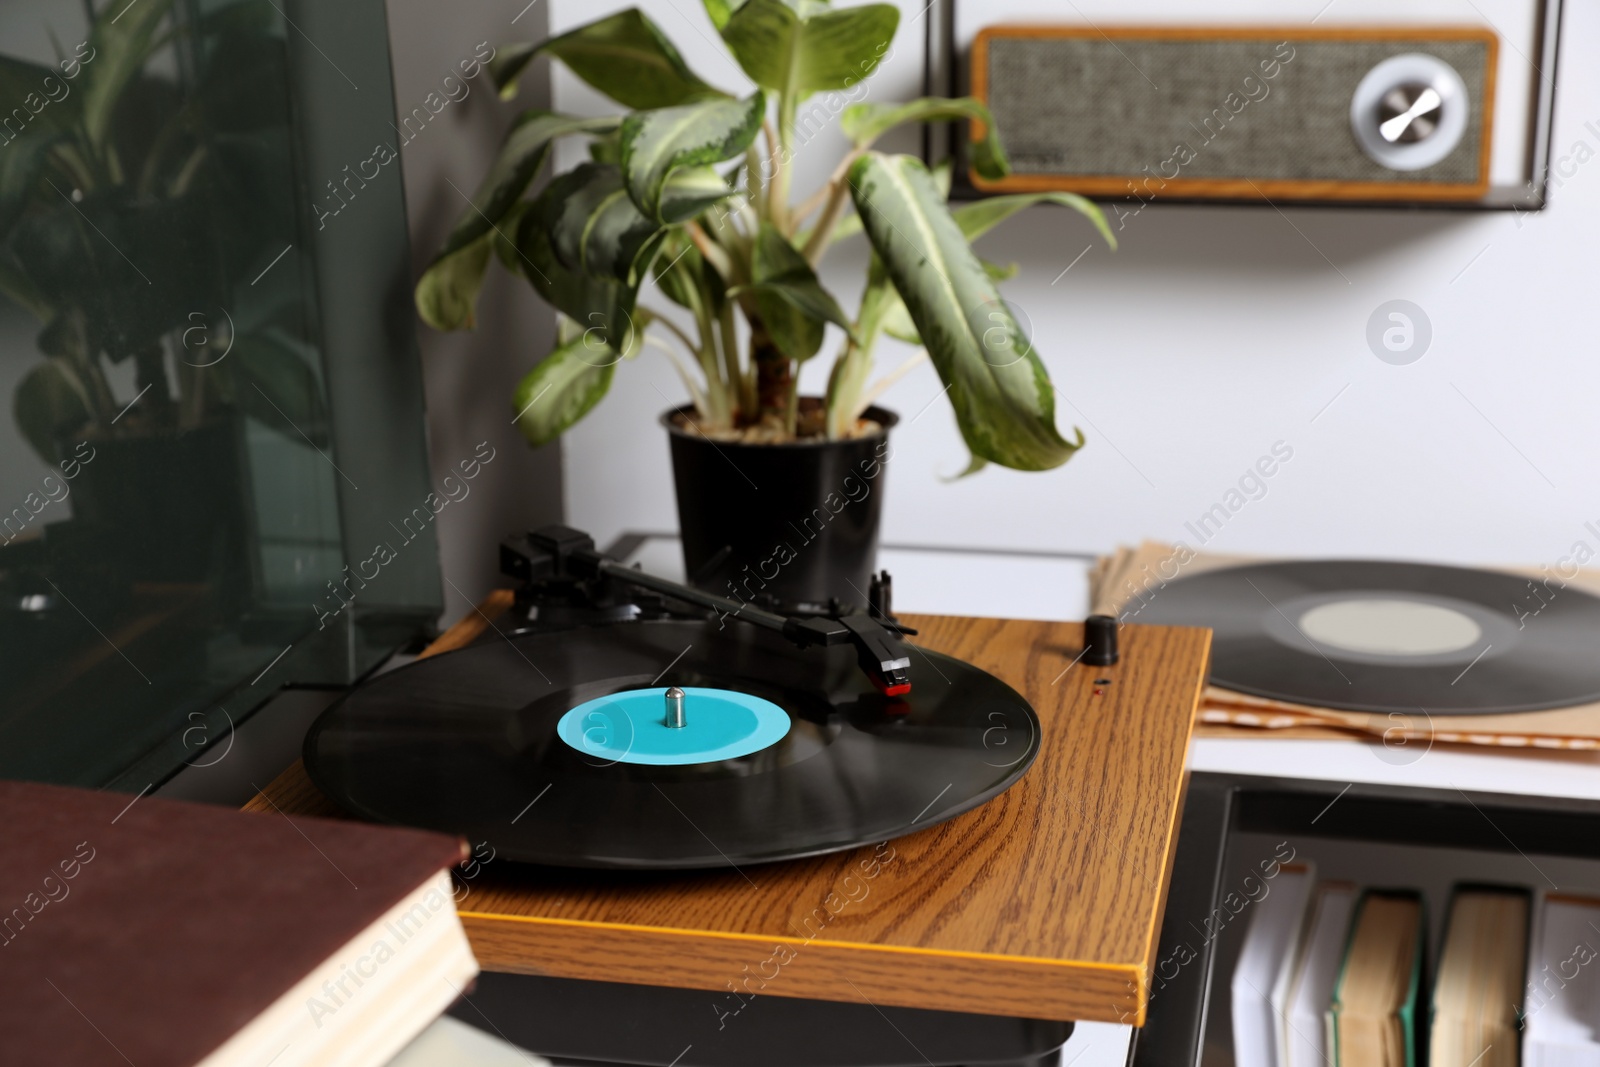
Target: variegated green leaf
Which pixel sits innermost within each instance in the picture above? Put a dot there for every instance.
(120, 46)
(690, 191)
(980, 216)
(897, 320)
(625, 56)
(683, 276)
(865, 123)
(269, 376)
(791, 301)
(563, 388)
(447, 292)
(803, 47)
(50, 403)
(594, 228)
(657, 144)
(720, 11)
(599, 303)
(30, 86)
(1002, 396)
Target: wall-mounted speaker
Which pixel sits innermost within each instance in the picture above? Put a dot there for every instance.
(1373, 114)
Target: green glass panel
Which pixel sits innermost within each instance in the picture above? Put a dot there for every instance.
(174, 499)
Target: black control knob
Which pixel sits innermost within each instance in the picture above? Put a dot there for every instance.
(1100, 640)
(880, 596)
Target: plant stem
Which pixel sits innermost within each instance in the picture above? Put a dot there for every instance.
(881, 386)
(774, 374)
(778, 188)
(838, 190)
(742, 208)
(744, 380)
(658, 318)
(695, 395)
(810, 204)
(850, 372)
(713, 253)
(713, 403)
(817, 244)
(753, 184)
(150, 371)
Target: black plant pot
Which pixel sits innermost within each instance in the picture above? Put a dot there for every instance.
(796, 523)
(173, 506)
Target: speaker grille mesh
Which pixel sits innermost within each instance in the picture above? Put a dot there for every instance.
(1092, 106)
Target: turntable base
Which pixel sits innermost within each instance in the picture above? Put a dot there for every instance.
(1044, 903)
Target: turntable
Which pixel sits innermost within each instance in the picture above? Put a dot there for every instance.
(711, 833)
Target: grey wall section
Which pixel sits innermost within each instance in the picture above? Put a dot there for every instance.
(469, 376)
(340, 78)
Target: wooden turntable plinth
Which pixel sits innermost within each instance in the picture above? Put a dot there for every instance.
(1044, 903)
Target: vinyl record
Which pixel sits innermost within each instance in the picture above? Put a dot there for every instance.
(816, 759)
(1389, 637)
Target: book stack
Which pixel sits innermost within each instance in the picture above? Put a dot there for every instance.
(1332, 974)
(168, 934)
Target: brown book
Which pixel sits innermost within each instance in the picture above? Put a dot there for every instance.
(167, 934)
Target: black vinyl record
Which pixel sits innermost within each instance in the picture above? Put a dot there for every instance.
(466, 742)
(1389, 637)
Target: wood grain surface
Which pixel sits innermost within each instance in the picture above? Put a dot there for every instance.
(1046, 902)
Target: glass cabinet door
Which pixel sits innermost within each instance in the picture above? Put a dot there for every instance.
(172, 502)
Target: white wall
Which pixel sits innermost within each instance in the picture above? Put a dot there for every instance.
(1214, 333)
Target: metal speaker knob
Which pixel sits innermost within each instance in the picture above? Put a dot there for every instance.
(1410, 111)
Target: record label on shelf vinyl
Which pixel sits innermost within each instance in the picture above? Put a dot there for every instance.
(1386, 637)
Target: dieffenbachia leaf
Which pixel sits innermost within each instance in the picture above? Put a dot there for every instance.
(594, 228)
(897, 320)
(690, 191)
(604, 306)
(720, 11)
(803, 47)
(625, 56)
(683, 276)
(50, 403)
(504, 237)
(270, 377)
(1002, 396)
(120, 46)
(980, 216)
(28, 86)
(658, 144)
(790, 300)
(564, 387)
(865, 123)
(447, 292)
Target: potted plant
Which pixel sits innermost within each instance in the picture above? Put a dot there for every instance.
(136, 203)
(691, 189)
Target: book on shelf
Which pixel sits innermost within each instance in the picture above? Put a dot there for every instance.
(1561, 1006)
(171, 934)
(1259, 983)
(1374, 1005)
(1305, 1014)
(1478, 988)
